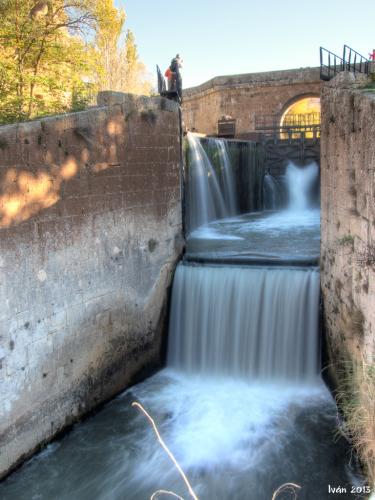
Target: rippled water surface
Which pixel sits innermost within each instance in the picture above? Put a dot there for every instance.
(277, 235)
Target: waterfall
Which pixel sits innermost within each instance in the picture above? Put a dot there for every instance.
(271, 193)
(227, 176)
(300, 183)
(210, 195)
(244, 321)
(297, 186)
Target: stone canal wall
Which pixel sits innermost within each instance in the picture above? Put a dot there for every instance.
(348, 252)
(90, 231)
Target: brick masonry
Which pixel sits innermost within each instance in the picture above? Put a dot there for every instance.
(90, 231)
(244, 96)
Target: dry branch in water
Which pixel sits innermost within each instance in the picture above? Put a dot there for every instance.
(287, 487)
(165, 492)
(167, 450)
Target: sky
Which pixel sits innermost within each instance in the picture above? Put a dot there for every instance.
(217, 37)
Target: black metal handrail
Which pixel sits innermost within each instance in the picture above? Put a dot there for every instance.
(354, 61)
(330, 64)
(299, 126)
(289, 121)
(289, 133)
(301, 120)
(351, 60)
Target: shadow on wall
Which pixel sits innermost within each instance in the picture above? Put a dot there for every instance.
(24, 192)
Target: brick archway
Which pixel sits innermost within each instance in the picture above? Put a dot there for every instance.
(295, 100)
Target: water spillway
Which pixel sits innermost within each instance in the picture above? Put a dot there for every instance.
(228, 181)
(210, 191)
(248, 322)
(300, 184)
(272, 193)
(241, 403)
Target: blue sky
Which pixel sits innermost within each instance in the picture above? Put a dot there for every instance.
(217, 37)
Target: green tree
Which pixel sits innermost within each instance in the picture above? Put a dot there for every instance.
(135, 79)
(55, 55)
(108, 30)
(119, 67)
(42, 55)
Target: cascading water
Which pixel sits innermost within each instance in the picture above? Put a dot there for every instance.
(241, 404)
(227, 177)
(210, 195)
(271, 193)
(247, 322)
(300, 182)
(289, 235)
(296, 187)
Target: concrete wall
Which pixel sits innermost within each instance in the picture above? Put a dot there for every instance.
(244, 96)
(348, 250)
(90, 230)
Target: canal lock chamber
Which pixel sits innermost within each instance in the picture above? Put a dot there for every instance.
(241, 403)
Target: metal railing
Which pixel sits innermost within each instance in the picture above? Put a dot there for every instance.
(354, 61)
(292, 133)
(303, 120)
(291, 126)
(331, 64)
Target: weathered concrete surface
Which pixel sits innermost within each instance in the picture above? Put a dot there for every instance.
(90, 231)
(244, 96)
(348, 249)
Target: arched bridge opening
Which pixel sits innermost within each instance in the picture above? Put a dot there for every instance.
(293, 134)
(302, 115)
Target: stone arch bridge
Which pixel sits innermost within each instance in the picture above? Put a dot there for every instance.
(251, 106)
(245, 98)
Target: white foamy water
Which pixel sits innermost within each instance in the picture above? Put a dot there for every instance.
(300, 181)
(211, 233)
(235, 439)
(223, 427)
(223, 421)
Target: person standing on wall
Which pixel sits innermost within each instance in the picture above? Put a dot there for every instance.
(169, 76)
(176, 84)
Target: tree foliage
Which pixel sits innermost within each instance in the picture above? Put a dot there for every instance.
(119, 67)
(55, 54)
(135, 74)
(109, 27)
